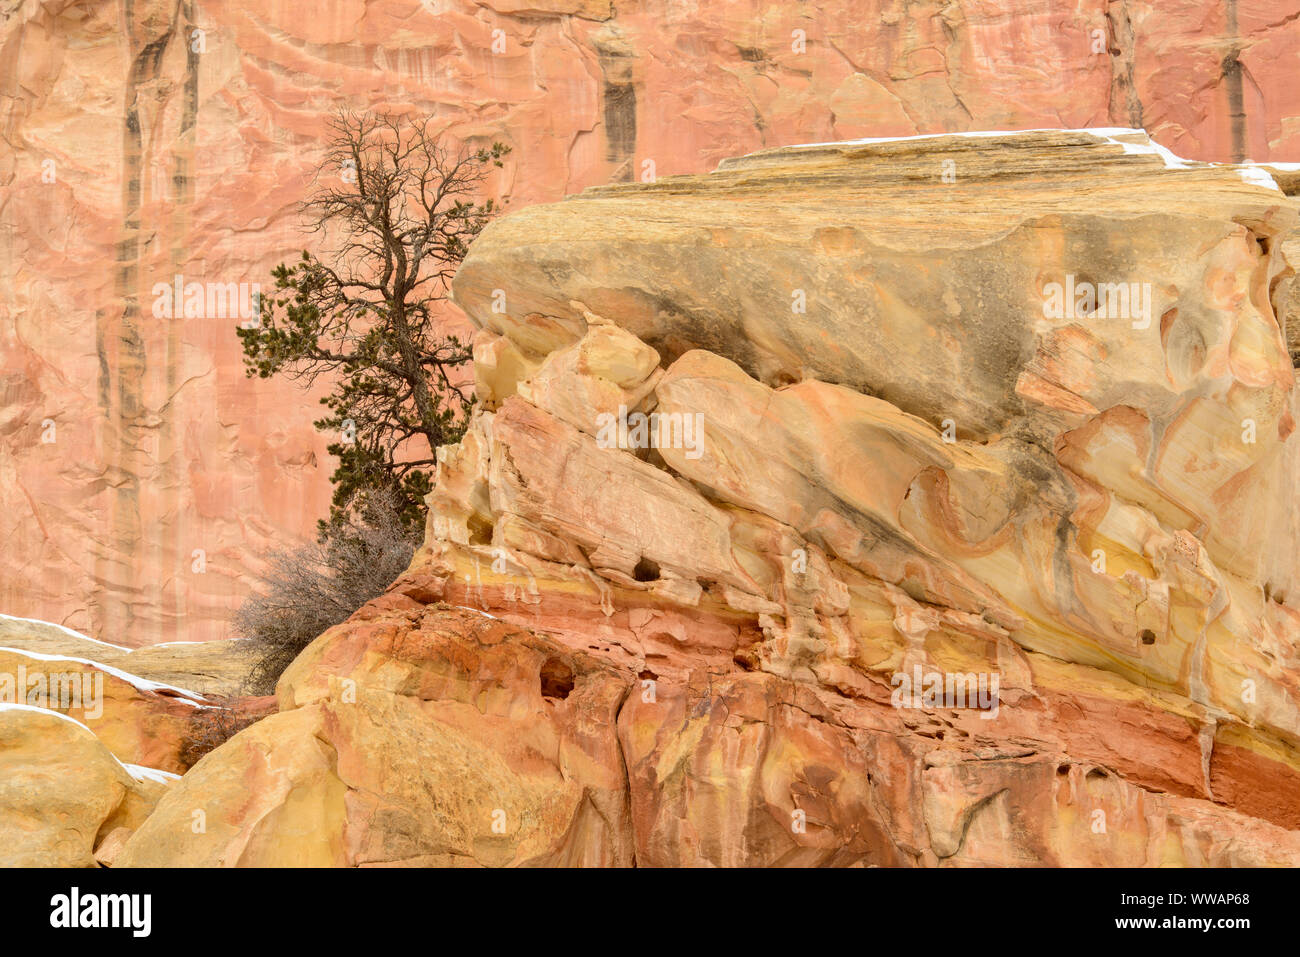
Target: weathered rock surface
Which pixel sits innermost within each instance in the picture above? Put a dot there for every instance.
(437, 736)
(63, 794)
(207, 667)
(75, 731)
(688, 654)
(142, 477)
(401, 741)
(140, 722)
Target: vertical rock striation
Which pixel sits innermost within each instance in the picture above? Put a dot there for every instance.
(141, 475)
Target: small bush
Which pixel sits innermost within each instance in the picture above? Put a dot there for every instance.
(209, 729)
(310, 589)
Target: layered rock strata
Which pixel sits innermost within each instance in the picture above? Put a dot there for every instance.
(87, 747)
(759, 450)
(143, 478)
(65, 800)
(210, 668)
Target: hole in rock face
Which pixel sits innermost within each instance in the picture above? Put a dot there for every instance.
(1148, 636)
(1062, 769)
(646, 570)
(557, 679)
(480, 532)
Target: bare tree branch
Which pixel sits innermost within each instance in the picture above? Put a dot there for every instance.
(394, 211)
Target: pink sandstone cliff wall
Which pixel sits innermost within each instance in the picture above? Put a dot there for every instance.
(141, 474)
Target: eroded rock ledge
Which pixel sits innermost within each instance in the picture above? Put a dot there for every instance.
(907, 457)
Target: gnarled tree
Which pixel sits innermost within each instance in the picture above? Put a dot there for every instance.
(394, 208)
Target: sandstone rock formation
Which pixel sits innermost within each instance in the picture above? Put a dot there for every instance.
(142, 477)
(400, 740)
(439, 736)
(887, 442)
(157, 706)
(87, 748)
(207, 667)
(63, 794)
(139, 722)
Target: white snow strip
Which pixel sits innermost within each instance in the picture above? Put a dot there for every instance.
(1153, 149)
(1258, 176)
(1251, 173)
(67, 631)
(141, 773)
(1105, 132)
(144, 684)
(173, 644)
(58, 714)
(137, 771)
(1284, 167)
(478, 611)
(1110, 134)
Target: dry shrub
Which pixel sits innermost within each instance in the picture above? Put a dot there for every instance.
(309, 590)
(209, 729)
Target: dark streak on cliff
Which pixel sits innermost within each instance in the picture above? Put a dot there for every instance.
(1232, 75)
(1121, 44)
